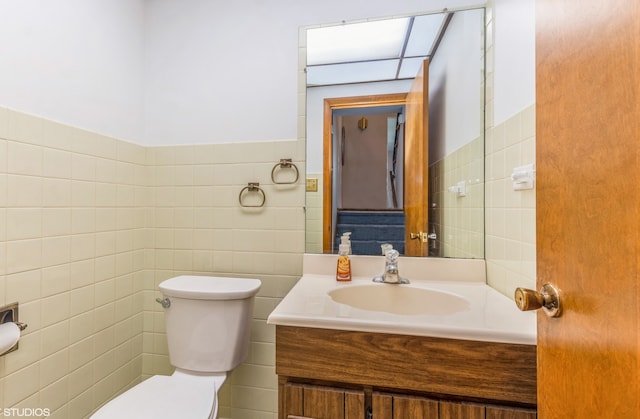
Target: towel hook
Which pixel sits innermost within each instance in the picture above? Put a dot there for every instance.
(252, 187)
(285, 164)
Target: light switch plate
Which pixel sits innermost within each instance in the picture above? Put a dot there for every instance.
(312, 185)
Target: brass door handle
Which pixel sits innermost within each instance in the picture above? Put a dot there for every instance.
(548, 299)
(414, 236)
(422, 236)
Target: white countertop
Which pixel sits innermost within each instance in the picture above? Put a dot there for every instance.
(490, 316)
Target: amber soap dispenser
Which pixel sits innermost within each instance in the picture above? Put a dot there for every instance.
(343, 272)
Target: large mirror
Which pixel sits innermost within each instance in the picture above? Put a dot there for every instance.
(367, 163)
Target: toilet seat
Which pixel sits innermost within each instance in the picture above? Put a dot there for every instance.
(182, 394)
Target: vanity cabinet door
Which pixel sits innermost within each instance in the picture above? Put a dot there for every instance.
(292, 403)
(394, 406)
(386, 406)
(457, 410)
(495, 412)
(315, 402)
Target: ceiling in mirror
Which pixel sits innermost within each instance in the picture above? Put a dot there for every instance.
(382, 50)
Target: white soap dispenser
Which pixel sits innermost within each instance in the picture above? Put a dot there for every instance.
(346, 239)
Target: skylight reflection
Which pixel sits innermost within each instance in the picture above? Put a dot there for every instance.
(373, 40)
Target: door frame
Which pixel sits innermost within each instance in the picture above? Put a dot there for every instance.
(331, 104)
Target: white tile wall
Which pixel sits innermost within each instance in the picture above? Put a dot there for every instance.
(200, 229)
(90, 225)
(510, 216)
(314, 216)
(458, 220)
(62, 262)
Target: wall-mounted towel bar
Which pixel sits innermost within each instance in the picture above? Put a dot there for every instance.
(285, 164)
(251, 188)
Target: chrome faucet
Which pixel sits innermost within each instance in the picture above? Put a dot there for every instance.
(391, 274)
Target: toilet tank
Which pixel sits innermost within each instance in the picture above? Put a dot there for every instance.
(208, 321)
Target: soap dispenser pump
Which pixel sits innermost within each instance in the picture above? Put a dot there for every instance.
(346, 239)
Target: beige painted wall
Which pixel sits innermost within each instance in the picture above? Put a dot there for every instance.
(364, 168)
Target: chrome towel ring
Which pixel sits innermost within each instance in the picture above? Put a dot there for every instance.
(252, 187)
(285, 164)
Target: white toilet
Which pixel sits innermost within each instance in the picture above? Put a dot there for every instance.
(208, 324)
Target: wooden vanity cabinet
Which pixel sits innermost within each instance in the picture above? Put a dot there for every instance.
(317, 402)
(333, 374)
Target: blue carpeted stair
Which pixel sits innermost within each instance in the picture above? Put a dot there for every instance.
(370, 229)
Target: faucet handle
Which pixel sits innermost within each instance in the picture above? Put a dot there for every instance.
(391, 255)
(385, 247)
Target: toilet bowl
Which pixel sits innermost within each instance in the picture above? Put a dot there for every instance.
(181, 395)
(208, 324)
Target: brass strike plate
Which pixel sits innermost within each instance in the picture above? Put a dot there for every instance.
(312, 185)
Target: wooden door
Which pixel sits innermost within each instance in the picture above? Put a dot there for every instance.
(588, 206)
(416, 163)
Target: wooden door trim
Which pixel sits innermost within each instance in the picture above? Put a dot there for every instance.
(331, 104)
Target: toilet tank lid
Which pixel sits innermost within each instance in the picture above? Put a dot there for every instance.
(210, 287)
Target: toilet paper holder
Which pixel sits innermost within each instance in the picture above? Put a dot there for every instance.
(9, 313)
(21, 325)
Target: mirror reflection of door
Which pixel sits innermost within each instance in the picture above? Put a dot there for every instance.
(339, 109)
(416, 157)
(408, 216)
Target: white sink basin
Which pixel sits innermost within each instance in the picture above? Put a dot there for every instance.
(447, 298)
(399, 299)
